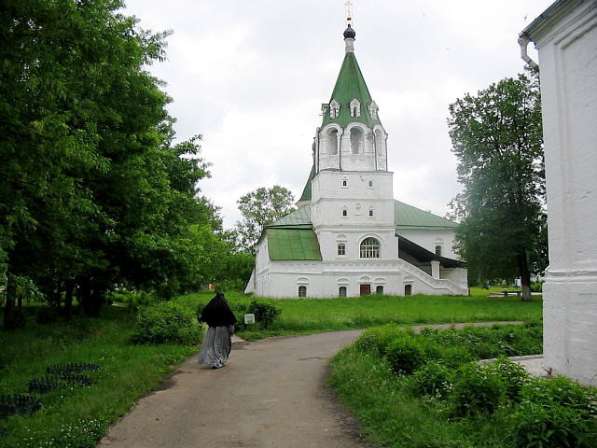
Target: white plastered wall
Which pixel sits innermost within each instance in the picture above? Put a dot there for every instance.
(567, 46)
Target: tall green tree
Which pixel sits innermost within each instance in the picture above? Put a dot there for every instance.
(497, 138)
(258, 209)
(94, 193)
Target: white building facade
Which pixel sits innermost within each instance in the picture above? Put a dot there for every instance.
(349, 236)
(566, 38)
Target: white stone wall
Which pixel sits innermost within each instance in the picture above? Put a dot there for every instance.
(432, 237)
(323, 279)
(567, 45)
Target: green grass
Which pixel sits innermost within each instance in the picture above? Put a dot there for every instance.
(77, 417)
(394, 410)
(300, 316)
(391, 416)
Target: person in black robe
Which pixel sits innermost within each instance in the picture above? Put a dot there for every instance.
(217, 342)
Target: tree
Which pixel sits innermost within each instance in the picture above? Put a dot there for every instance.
(497, 138)
(258, 209)
(94, 193)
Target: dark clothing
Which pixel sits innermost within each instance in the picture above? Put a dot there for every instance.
(217, 313)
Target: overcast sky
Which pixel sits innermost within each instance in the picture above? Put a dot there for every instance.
(250, 76)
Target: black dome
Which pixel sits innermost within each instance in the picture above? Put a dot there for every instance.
(349, 33)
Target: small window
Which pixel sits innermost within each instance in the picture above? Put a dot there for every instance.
(379, 290)
(344, 212)
(342, 291)
(344, 183)
(408, 290)
(302, 291)
(438, 251)
(341, 249)
(371, 212)
(370, 183)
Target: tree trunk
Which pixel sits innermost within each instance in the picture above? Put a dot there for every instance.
(525, 276)
(10, 321)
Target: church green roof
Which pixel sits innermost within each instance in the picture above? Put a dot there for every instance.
(405, 217)
(349, 85)
(409, 217)
(292, 244)
(306, 196)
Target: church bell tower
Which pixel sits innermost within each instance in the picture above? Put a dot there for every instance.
(350, 189)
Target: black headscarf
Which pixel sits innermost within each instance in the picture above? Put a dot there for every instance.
(217, 313)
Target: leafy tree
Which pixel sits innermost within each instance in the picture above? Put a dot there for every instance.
(94, 193)
(497, 138)
(260, 208)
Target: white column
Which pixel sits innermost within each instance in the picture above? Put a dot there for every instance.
(567, 46)
(435, 269)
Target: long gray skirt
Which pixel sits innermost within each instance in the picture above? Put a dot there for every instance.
(216, 347)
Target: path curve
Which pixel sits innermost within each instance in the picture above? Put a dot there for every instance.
(272, 394)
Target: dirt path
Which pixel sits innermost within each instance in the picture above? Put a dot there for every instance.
(272, 393)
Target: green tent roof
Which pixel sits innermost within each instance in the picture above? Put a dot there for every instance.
(349, 85)
(406, 217)
(410, 217)
(292, 244)
(306, 196)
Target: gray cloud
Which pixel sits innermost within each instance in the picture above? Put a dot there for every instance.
(250, 76)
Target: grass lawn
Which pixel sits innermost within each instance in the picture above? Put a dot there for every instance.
(301, 316)
(78, 416)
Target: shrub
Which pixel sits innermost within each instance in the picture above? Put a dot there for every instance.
(377, 340)
(556, 413)
(265, 314)
(513, 376)
(133, 299)
(455, 356)
(405, 355)
(166, 323)
(18, 404)
(477, 390)
(433, 379)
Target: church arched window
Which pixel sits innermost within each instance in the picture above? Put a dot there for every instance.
(355, 108)
(302, 291)
(342, 291)
(333, 141)
(370, 248)
(356, 140)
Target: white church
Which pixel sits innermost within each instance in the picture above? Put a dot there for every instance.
(349, 236)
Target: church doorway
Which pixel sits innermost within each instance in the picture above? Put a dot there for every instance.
(365, 289)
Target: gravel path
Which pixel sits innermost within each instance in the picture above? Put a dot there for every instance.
(272, 394)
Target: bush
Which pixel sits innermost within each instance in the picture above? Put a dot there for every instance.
(455, 356)
(405, 355)
(133, 299)
(433, 379)
(265, 314)
(377, 340)
(166, 323)
(513, 376)
(556, 413)
(477, 390)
